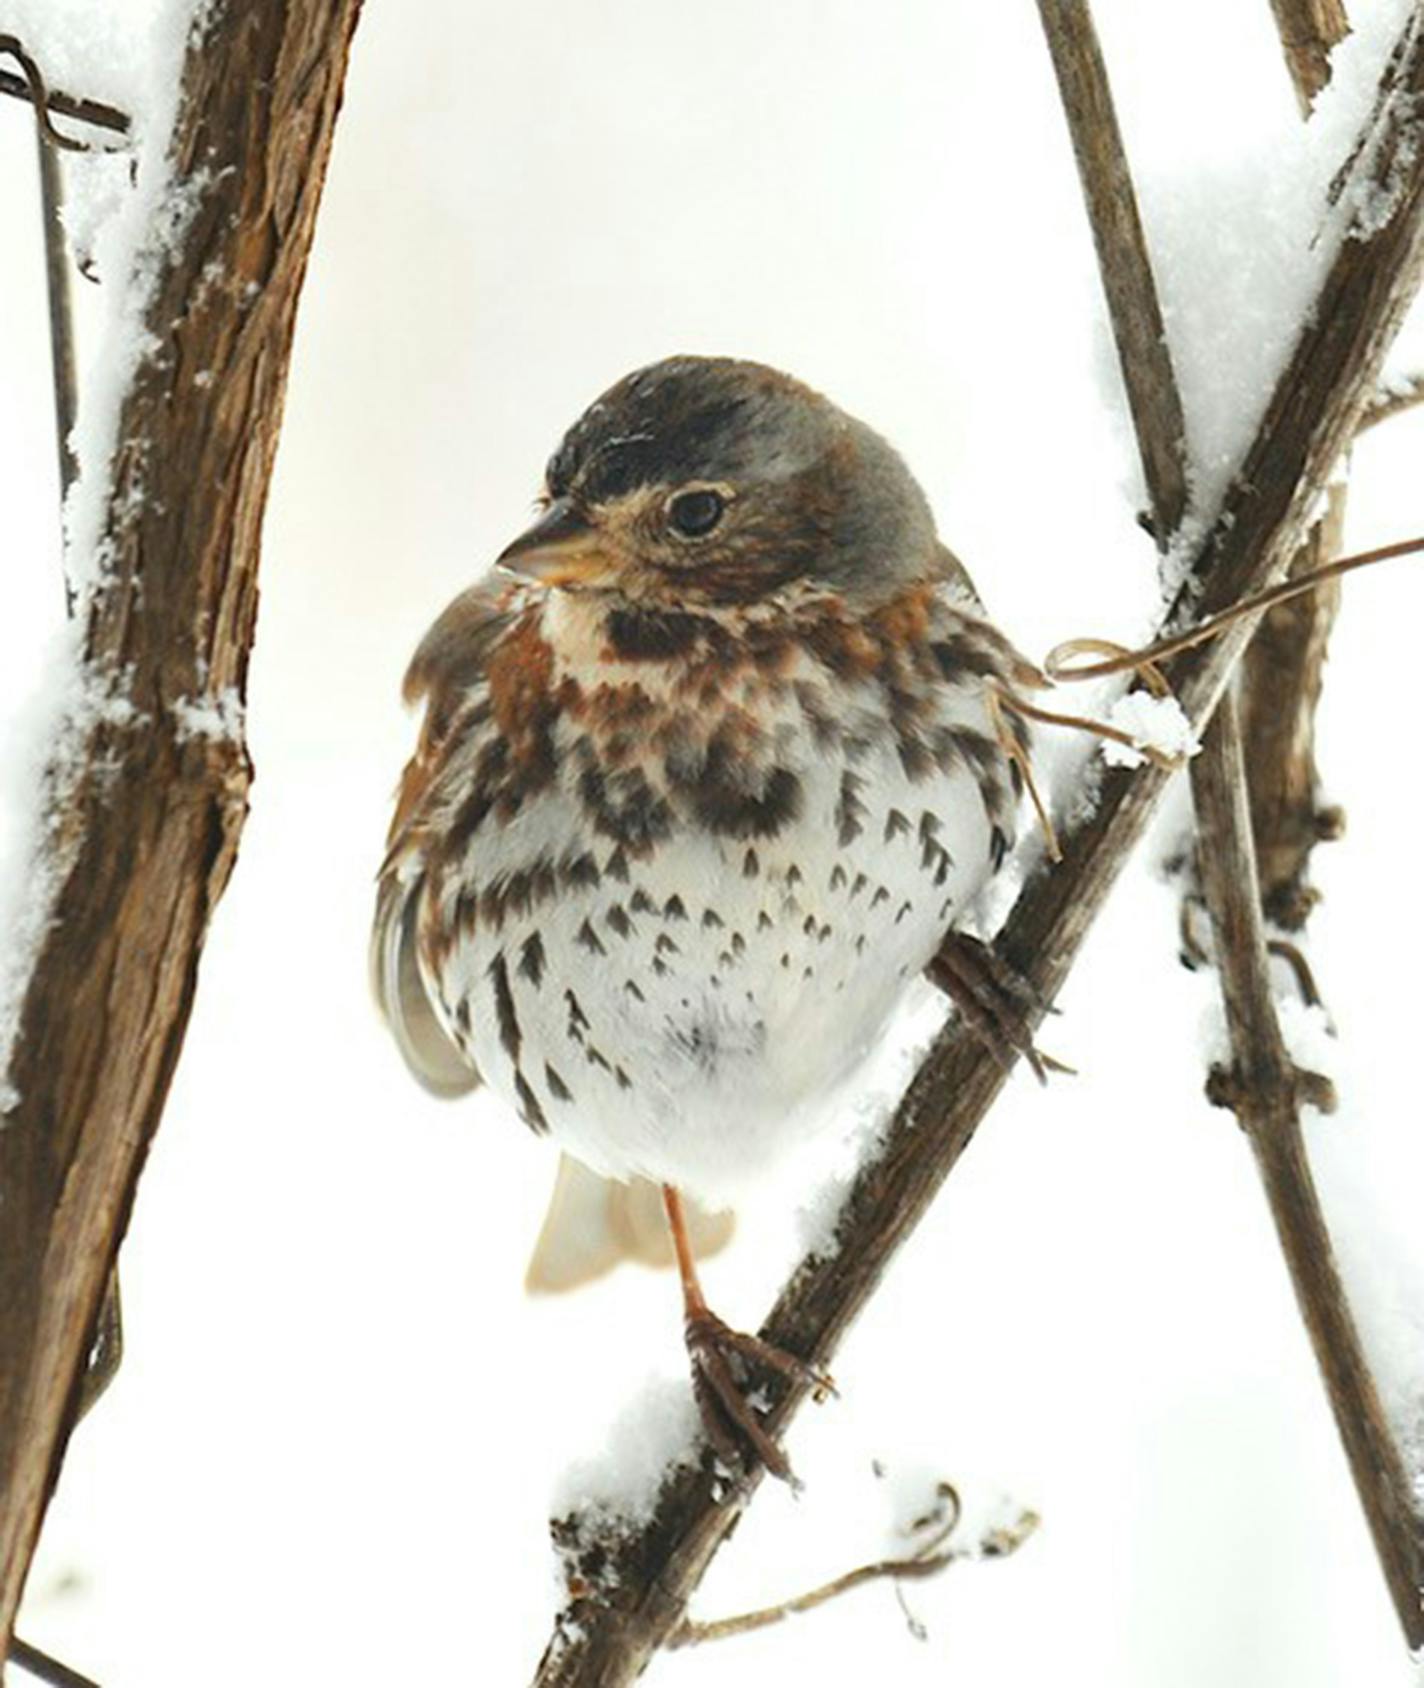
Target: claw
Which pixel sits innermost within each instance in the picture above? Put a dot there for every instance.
(714, 1349)
(729, 1418)
(996, 1001)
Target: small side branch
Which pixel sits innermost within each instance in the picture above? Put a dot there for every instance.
(1265, 1091)
(1123, 259)
(936, 1554)
(30, 86)
(61, 308)
(46, 1669)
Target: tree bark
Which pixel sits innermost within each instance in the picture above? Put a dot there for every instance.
(145, 796)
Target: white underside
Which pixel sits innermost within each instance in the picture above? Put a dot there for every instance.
(729, 1054)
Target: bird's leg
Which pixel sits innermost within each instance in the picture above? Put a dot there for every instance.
(723, 1360)
(997, 1002)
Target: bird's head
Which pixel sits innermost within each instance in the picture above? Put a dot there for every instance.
(700, 481)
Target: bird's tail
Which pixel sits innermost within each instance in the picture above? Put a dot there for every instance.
(593, 1223)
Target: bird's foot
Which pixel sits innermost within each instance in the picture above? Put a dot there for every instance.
(724, 1364)
(997, 1002)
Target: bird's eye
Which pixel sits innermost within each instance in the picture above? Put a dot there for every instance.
(695, 513)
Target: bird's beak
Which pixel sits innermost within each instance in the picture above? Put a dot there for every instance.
(561, 549)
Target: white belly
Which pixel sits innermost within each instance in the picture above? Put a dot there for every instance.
(680, 1017)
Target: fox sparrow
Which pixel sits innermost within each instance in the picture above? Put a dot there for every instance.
(708, 771)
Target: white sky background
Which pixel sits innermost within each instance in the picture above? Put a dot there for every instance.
(329, 1455)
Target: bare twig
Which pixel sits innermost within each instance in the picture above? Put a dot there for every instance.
(46, 1669)
(1123, 260)
(628, 1589)
(1265, 1091)
(30, 86)
(929, 1560)
(1063, 661)
(144, 816)
(61, 308)
(1310, 30)
(1300, 968)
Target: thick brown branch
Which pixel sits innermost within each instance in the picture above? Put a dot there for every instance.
(1309, 30)
(627, 1590)
(1123, 261)
(147, 797)
(1265, 1091)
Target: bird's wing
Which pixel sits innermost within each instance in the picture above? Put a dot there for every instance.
(429, 1050)
(448, 673)
(592, 1222)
